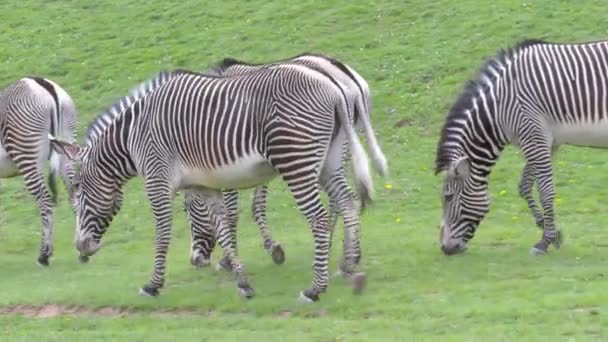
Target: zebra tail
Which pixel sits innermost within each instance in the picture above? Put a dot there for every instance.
(378, 158)
(52, 182)
(55, 158)
(360, 164)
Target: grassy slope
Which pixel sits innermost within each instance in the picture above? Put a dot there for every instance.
(416, 56)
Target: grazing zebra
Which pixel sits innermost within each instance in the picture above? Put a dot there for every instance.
(359, 100)
(208, 134)
(537, 95)
(30, 110)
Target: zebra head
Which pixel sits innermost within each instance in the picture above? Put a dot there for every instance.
(96, 197)
(465, 203)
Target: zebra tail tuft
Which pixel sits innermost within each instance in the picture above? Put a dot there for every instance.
(360, 164)
(52, 178)
(378, 158)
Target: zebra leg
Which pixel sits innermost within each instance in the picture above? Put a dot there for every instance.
(225, 240)
(538, 153)
(201, 231)
(305, 190)
(231, 216)
(258, 210)
(334, 212)
(159, 195)
(526, 186)
(337, 187)
(35, 185)
(30, 168)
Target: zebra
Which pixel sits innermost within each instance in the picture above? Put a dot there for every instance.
(536, 95)
(208, 134)
(359, 98)
(30, 109)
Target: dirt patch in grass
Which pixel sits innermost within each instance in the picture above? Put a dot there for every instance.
(55, 310)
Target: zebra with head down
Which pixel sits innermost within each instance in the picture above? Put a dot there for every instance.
(31, 109)
(205, 133)
(359, 101)
(536, 95)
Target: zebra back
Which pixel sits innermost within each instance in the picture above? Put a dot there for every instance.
(105, 118)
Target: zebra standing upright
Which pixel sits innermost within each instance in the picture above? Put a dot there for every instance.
(537, 95)
(30, 110)
(359, 101)
(209, 134)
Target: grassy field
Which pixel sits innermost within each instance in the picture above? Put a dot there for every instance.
(416, 56)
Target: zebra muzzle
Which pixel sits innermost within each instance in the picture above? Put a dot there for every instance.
(88, 246)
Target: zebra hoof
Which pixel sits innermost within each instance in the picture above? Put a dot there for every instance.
(224, 264)
(149, 291)
(307, 299)
(246, 292)
(278, 256)
(359, 280)
(43, 261)
(83, 259)
(537, 251)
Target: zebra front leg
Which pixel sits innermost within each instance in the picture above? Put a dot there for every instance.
(258, 210)
(159, 195)
(539, 155)
(526, 187)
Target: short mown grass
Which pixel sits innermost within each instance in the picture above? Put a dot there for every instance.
(416, 56)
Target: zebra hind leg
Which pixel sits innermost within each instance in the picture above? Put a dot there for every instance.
(201, 231)
(225, 240)
(230, 216)
(526, 186)
(305, 190)
(340, 193)
(258, 211)
(34, 182)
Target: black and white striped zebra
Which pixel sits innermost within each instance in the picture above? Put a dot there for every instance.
(31, 109)
(209, 134)
(537, 95)
(359, 101)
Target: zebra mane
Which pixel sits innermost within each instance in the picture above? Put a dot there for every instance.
(228, 62)
(487, 73)
(105, 118)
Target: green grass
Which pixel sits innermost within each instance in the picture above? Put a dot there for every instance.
(416, 56)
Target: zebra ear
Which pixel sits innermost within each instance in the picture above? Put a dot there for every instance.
(71, 150)
(460, 167)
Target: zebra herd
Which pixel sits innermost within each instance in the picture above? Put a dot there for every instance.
(239, 125)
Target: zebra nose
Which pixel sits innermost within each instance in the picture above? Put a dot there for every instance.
(452, 250)
(81, 243)
(87, 246)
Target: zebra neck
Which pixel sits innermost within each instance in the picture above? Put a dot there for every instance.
(110, 153)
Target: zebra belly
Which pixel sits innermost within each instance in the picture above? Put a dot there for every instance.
(246, 172)
(7, 166)
(582, 134)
